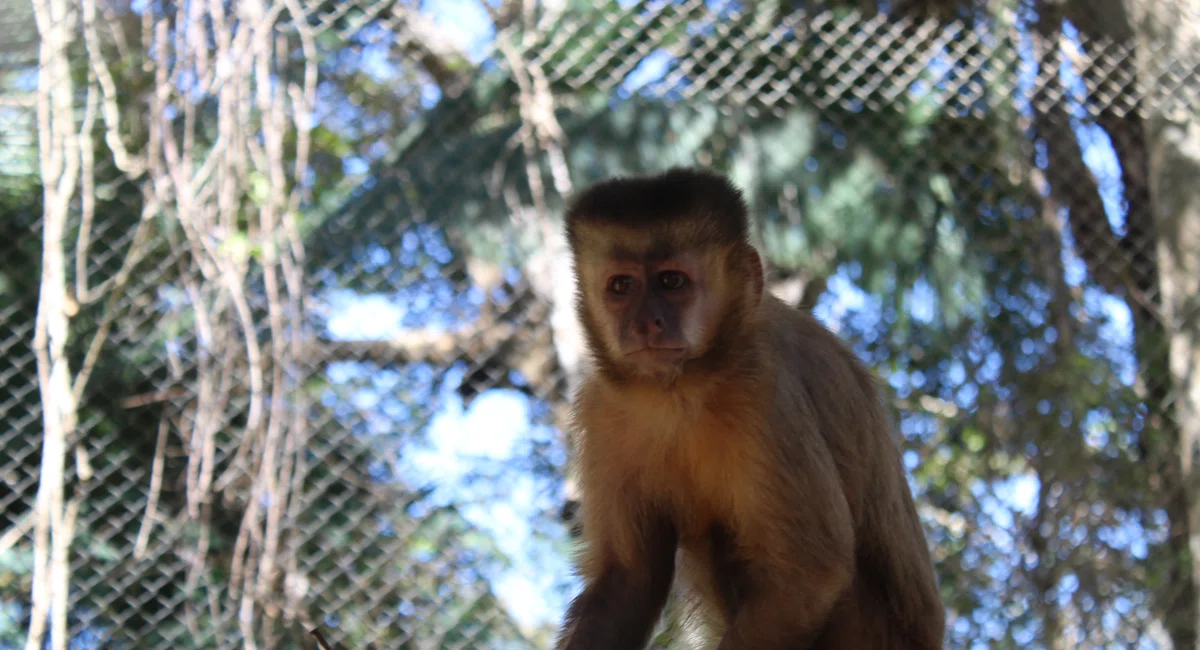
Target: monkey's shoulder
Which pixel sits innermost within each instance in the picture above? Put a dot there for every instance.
(804, 349)
(796, 331)
(820, 384)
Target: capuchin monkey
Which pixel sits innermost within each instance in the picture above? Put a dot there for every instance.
(730, 439)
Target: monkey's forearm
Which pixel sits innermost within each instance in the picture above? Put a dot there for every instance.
(615, 612)
(624, 597)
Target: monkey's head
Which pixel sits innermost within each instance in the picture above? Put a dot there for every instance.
(666, 277)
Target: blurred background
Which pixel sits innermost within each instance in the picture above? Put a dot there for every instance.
(286, 334)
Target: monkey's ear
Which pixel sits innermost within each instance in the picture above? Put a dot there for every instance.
(755, 269)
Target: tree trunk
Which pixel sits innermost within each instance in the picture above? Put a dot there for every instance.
(1175, 156)
(1154, 264)
(1167, 40)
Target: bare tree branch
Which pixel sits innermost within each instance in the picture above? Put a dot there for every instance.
(416, 346)
(60, 159)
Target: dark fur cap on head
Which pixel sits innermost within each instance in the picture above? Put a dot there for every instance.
(701, 204)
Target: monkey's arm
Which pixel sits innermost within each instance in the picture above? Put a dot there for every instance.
(622, 600)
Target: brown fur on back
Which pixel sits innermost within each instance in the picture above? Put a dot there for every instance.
(893, 581)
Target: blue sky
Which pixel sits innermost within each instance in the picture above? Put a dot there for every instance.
(465, 22)
(494, 431)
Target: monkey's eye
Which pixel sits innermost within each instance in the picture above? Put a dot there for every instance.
(672, 280)
(620, 284)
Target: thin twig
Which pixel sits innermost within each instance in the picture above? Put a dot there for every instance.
(156, 478)
(325, 645)
(116, 292)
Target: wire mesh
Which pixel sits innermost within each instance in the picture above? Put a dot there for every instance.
(964, 190)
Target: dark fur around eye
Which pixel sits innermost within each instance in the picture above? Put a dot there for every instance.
(620, 284)
(672, 280)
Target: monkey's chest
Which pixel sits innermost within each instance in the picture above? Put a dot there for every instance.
(702, 461)
(702, 480)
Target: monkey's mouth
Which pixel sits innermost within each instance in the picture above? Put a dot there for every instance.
(656, 356)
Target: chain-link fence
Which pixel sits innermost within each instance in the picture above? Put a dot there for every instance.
(285, 315)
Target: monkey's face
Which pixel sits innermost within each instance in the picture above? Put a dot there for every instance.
(651, 310)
